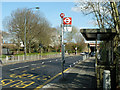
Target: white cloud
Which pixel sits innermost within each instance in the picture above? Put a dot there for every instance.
(75, 9)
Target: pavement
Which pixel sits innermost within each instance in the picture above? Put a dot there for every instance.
(82, 75)
(0, 76)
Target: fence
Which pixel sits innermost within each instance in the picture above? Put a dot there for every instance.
(13, 59)
(20, 58)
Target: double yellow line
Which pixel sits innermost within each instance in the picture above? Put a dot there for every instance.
(40, 86)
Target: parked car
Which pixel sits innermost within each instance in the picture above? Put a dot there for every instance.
(92, 54)
(98, 56)
(86, 53)
(82, 53)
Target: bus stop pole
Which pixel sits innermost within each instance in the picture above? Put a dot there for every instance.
(62, 48)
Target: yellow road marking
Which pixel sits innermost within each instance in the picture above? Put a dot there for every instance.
(38, 67)
(24, 85)
(33, 69)
(34, 77)
(49, 76)
(45, 79)
(38, 78)
(40, 86)
(24, 71)
(43, 65)
(16, 83)
(3, 82)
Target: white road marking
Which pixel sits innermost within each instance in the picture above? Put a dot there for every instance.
(33, 64)
(13, 69)
(19, 68)
(26, 66)
(42, 62)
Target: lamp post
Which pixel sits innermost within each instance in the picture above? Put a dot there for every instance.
(25, 33)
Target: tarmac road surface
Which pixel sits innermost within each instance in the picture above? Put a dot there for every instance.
(33, 74)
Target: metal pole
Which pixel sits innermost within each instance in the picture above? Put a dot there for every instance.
(88, 49)
(96, 62)
(109, 53)
(25, 35)
(96, 57)
(25, 40)
(112, 50)
(62, 48)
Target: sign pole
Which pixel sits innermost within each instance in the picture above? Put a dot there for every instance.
(63, 61)
(64, 21)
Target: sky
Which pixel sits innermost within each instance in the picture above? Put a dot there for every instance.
(52, 11)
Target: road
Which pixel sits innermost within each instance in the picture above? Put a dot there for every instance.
(35, 73)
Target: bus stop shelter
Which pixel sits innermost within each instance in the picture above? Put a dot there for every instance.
(98, 34)
(101, 35)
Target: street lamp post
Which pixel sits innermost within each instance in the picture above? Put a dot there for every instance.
(25, 34)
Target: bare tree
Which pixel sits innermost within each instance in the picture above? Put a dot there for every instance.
(37, 27)
(101, 11)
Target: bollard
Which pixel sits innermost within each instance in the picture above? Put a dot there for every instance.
(6, 59)
(40, 56)
(33, 57)
(23, 58)
(12, 58)
(106, 80)
(18, 58)
(26, 57)
(30, 57)
(83, 57)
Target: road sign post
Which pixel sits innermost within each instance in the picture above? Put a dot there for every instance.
(64, 21)
(63, 61)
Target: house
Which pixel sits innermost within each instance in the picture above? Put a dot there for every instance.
(6, 48)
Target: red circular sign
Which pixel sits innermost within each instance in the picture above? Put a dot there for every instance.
(67, 21)
(62, 15)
